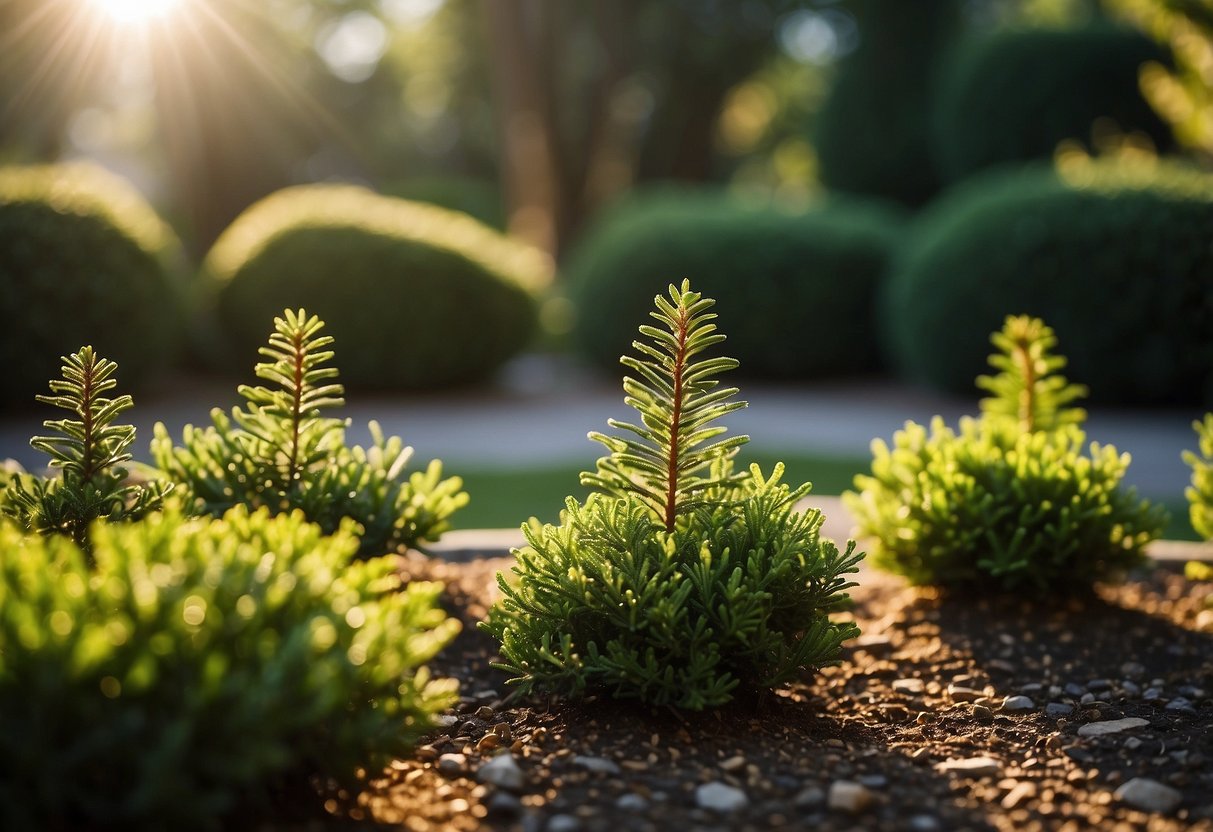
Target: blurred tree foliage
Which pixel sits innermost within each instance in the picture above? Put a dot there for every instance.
(1183, 96)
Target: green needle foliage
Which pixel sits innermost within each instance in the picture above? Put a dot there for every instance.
(1009, 502)
(1200, 493)
(677, 582)
(89, 451)
(279, 452)
(201, 668)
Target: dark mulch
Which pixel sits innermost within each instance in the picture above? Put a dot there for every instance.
(925, 685)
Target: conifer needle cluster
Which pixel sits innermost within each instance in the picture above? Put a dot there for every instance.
(278, 451)
(1009, 501)
(678, 581)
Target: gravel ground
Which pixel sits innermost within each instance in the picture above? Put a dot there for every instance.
(947, 714)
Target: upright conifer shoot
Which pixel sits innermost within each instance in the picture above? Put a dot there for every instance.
(677, 581)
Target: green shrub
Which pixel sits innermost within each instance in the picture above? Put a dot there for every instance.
(203, 665)
(677, 581)
(873, 133)
(88, 451)
(83, 259)
(280, 453)
(1014, 95)
(786, 278)
(478, 198)
(1009, 502)
(1200, 493)
(1118, 261)
(418, 296)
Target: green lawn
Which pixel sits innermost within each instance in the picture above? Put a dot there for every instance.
(507, 498)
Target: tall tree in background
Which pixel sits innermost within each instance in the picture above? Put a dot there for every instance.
(595, 95)
(1183, 96)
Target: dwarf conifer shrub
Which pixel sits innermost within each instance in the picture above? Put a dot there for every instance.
(200, 667)
(88, 451)
(677, 581)
(278, 451)
(1200, 492)
(83, 259)
(417, 296)
(1010, 501)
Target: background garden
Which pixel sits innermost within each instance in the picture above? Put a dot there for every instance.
(308, 234)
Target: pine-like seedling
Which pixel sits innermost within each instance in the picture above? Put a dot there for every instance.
(278, 451)
(88, 451)
(677, 582)
(1008, 502)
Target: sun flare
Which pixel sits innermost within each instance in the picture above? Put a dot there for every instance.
(135, 11)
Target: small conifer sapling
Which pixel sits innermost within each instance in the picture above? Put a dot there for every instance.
(1010, 502)
(278, 451)
(678, 581)
(89, 451)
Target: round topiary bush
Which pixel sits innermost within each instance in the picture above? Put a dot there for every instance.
(83, 259)
(1119, 262)
(416, 296)
(1014, 95)
(478, 198)
(798, 287)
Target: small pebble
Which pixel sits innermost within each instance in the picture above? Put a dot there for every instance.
(1152, 694)
(1111, 726)
(810, 798)
(1086, 699)
(1180, 705)
(484, 712)
(908, 685)
(452, 764)
(446, 720)
(847, 796)
(982, 714)
(733, 764)
(1056, 709)
(1132, 743)
(720, 797)
(1099, 685)
(563, 823)
(1018, 705)
(924, 823)
(959, 693)
(1149, 795)
(1131, 689)
(972, 766)
(1074, 690)
(631, 803)
(503, 772)
(598, 765)
(873, 781)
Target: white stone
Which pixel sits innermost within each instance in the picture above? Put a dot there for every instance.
(720, 797)
(1018, 705)
(848, 796)
(503, 772)
(452, 764)
(598, 765)
(1149, 795)
(1112, 726)
(972, 766)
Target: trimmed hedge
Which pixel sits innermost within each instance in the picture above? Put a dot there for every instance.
(1119, 263)
(797, 289)
(873, 134)
(478, 198)
(83, 259)
(416, 296)
(1014, 95)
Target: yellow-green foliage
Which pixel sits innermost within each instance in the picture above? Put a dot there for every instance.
(677, 582)
(200, 666)
(1200, 492)
(83, 259)
(278, 451)
(1010, 501)
(417, 295)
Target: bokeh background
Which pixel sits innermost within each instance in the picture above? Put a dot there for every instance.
(481, 198)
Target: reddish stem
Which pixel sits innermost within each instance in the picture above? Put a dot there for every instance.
(675, 418)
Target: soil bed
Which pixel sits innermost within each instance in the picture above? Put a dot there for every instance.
(911, 732)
